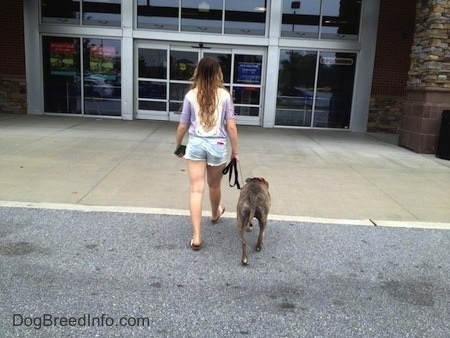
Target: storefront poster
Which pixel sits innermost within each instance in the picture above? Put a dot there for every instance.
(102, 60)
(62, 56)
(249, 72)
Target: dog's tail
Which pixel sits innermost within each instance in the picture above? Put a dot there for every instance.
(249, 217)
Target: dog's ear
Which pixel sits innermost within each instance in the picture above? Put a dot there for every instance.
(263, 181)
(248, 179)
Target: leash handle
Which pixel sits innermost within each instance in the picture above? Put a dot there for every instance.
(232, 166)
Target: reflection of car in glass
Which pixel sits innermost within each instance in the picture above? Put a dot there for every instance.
(299, 97)
(98, 87)
(152, 90)
(295, 98)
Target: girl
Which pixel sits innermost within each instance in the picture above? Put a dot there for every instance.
(208, 116)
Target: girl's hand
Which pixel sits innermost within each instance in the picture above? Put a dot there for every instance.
(235, 156)
(180, 150)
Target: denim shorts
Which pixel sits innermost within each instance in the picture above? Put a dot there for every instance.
(213, 150)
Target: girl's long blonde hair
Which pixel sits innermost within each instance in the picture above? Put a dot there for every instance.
(207, 79)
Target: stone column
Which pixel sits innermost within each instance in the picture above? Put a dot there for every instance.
(428, 87)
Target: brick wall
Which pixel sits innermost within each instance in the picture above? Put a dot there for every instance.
(395, 37)
(12, 58)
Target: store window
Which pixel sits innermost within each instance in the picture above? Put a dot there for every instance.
(305, 99)
(158, 14)
(334, 91)
(201, 16)
(245, 17)
(296, 77)
(321, 19)
(87, 83)
(247, 84)
(102, 76)
(82, 12)
(62, 75)
(182, 67)
(152, 72)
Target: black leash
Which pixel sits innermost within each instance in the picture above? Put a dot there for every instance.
(232, 167)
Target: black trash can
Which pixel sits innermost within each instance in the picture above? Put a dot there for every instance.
(443, 147)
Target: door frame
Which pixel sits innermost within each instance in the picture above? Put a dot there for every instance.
(174, 115)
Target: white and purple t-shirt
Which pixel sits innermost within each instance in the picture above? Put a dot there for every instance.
(191, 109)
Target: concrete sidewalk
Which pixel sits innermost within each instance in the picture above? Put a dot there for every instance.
(323, 176)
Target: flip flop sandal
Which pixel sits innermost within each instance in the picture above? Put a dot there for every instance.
(193, 246)
(221, 211)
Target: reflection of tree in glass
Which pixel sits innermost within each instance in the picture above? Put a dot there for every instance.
(297, 71)
(349, 14)
(60, 8)
(225, 64)
(151, 63)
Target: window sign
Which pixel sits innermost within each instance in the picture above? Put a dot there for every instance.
(62, 58)
(335, 61)
(102, 60)
(249, 72)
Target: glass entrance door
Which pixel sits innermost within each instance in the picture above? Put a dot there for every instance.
(164, 75)
(315, 89)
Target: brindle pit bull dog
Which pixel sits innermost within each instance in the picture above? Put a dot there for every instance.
(254, 201)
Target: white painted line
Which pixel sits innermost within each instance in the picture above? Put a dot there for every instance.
(321, 220)
(180, 212)
(412, 224)
(91, 208)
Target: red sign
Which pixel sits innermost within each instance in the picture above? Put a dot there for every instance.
(62, 47)
(103, 51)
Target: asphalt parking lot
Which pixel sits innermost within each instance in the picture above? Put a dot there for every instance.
(73, 273)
